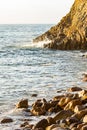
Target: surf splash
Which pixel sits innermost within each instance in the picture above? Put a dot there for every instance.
(31, 45)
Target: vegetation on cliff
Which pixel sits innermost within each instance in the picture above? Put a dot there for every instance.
(71, 32)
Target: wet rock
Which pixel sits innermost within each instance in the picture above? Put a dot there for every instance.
(85, 78)
(84, 99)
(34, 95)
(74, 128)
(80, 114)
(63, 101)
(71, 105)
(74, 125)
(51, 127)
(28, 127)
(24, 124)
(84, 127)
(63, 115)
(22, 104)
(41, 124)
(57, 98)
(39, 107)
(82, 93)
(81, 125)
(78, 108)
(6, 120)
(71, 120)
(55, 109)
(85, 119)
(53, 103)
(59, 128)
(63, 123)
(73, 89)
(50, 121)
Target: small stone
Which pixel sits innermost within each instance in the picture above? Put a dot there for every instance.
(6, 120)
(34, 95)
(22, 104)
(73, 89)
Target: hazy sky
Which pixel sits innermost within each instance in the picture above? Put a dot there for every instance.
(33, 11)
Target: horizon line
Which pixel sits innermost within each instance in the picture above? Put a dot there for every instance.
(24, 23)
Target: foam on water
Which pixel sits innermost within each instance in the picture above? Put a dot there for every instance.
(31, 45)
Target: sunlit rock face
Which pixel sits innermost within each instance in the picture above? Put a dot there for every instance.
(71, 32)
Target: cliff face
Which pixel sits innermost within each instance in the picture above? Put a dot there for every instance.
(71, 32)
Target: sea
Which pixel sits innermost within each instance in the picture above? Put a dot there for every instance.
(27, 68)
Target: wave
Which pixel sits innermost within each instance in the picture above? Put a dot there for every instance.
(30, 45)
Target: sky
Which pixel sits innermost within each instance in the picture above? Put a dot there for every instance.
(33, 11)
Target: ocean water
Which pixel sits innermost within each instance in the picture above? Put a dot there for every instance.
(27, 68)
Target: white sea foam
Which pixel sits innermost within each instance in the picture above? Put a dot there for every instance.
(32, 45)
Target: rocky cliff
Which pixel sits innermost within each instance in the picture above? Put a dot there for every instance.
(71, 32)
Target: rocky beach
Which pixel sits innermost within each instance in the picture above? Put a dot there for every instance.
(66, 111)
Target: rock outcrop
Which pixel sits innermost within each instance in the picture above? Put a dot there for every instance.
(71, 32)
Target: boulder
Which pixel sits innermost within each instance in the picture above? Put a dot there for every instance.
(80, 114)
(63, 115)
(40, 107)
(71, 105)
(22, 104)
(41, 124)
(51, 127)
(65, 100)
